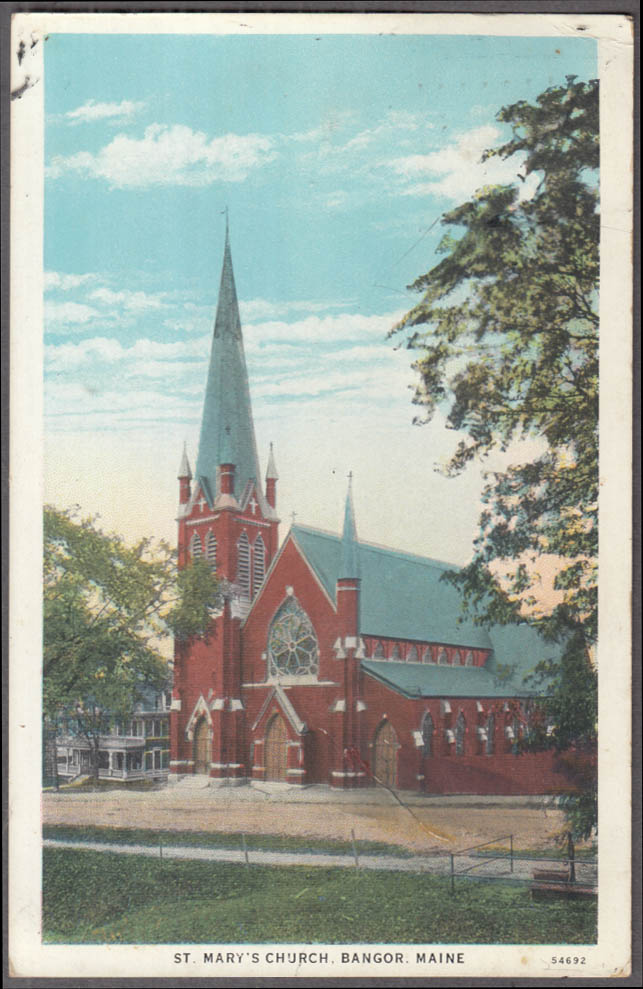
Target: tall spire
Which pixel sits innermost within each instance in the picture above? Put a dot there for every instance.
(184, 466)
(350, 567)
(271, 470)
(226, 425)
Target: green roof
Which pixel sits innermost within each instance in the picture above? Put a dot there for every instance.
(424, 680)
(401, 595)
(227, 431)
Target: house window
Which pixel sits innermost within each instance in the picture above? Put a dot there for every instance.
(258, 564)
(211, 549)
(491, 731)
(157, 729)
(195, 547)
(379, 652)
(412, 655)
(157, 758)
(243, 564)
(292, 643)
(427, 735)
(460, 728)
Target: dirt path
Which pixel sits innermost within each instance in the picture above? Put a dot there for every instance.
(420, 827)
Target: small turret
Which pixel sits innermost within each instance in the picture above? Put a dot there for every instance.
(271, 480)
(348, 581)
(184, 476)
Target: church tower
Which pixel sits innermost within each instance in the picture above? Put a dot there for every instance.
(226, 517)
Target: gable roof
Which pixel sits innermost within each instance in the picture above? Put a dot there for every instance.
(402, 596)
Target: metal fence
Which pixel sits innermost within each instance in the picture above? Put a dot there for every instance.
(497, 865)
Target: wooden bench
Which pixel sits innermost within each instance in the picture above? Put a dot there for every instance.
(555, 884)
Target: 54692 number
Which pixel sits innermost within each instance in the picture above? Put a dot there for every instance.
(568, 959)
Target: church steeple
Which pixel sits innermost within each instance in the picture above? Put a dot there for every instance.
(226, 426)
(350, 567)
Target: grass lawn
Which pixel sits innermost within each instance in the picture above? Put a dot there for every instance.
(214, 839)
(97, 898)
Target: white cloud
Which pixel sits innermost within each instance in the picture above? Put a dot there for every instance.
(61, 315)
(323, 329)
(254, 309)
(134, 301)
(169, 155)
(348, 154)
(68, 356)
(456, 171)
(63, 282)
(114, 112)
(382, 381)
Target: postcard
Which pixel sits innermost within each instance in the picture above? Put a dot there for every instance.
(321, 347)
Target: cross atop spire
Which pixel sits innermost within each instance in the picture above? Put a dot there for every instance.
(350, 565)
(226, 426)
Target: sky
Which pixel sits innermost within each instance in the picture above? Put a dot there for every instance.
(335, 157)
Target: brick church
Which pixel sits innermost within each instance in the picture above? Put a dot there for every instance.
(333, 661)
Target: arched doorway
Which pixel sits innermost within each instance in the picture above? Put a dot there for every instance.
(202, 747)
(276, 750)
(385, 754)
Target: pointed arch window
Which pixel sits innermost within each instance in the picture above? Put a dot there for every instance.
(457, 658)
(442, 656)
(196, 549)
(243, 564)
(468, 658)
(491, 732)
(427, 655)
(396, 654)
(292, 644)
(460, 729)
(258, 564)
(211, 549)
(412, 655)
(427, 734)
(379, 651)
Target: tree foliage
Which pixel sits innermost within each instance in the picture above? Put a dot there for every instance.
(107, 607)
(507, 338)
(506, 334)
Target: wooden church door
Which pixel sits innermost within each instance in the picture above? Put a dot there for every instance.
(385, 754)
(276, 750)
(202, 747)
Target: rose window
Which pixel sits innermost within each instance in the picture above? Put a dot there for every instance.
(292, 644)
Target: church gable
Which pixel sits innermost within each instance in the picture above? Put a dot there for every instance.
(290, 578)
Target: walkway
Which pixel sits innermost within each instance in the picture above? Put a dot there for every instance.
(437, 864)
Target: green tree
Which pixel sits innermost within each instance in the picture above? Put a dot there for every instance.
(107, 607)
(506, 334)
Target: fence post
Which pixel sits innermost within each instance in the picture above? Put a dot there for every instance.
(245, 849)
(511, 853)
(452, 873)
(160, 848)
(354, 848)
